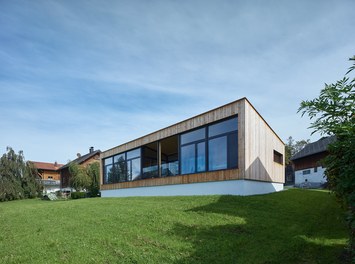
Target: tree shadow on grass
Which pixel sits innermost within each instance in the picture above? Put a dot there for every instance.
(265, 235)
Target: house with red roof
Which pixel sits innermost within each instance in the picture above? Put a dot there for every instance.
(50, 175)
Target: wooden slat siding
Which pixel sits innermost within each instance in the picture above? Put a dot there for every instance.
(241, 138)
(260, 142)
(309, 161)
(194, 122)
(181, 179)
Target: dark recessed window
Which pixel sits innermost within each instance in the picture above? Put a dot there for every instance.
(278, 157)
(305, 172)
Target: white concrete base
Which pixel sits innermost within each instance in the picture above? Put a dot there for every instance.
(235, 187)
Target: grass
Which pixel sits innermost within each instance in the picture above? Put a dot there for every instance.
(294, 226)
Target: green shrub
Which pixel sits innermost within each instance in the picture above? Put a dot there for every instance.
(78, 195)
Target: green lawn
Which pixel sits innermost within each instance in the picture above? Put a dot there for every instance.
(294, 226)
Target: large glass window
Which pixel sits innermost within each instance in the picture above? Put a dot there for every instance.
(232, 150)
(134, 153)
(201, 156)
(119, 169)
(192, 136)
(215, 150)
(188, 158)
(133, 164)
(193, 151)
(169, 148)
(135, 169)
(223, 145)
(107, 171)
(122, 167)
(217, 153)
(223, 127)
(150, 161)
(210, 148)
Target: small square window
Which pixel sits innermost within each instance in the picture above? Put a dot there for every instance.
(278, 157)
(305, 172)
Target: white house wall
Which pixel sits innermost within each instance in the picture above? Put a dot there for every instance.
(313, 177)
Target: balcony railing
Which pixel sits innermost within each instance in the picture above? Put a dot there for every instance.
(50, 182)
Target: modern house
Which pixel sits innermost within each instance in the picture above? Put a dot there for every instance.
(307, 163)
(227, 150)
(50, 175)
(92, 156)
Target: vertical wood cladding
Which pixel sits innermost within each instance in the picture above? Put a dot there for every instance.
(260, 142)
(181, 179)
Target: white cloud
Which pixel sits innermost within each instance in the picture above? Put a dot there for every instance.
(82, 73)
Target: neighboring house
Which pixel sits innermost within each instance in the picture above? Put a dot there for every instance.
(307, 163)
(227, 150)
(50, 175)
(92, 156)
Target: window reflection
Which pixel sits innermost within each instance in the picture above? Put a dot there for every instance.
(188, 159)
(193, 136)
(201, 156)
(213, 147)
(217, 153)
(223, 127)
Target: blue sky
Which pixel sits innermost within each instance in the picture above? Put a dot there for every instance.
(75, 74)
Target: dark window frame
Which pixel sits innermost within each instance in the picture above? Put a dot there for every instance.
(206, 141)
(127, 162)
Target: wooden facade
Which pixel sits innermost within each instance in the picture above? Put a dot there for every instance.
(256, 145)
(260, 142)
(311, 161)
(48, 171)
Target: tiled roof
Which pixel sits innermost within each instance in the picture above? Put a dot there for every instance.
(83, 158)
(314, 148)
(47, 165)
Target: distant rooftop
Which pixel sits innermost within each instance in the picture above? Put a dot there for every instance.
(314, 148)
(47, 166)
(83, 158)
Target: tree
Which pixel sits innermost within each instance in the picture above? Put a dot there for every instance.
(93, 171)
(79, 179)
(85, 177)
(292, 147)
(31, 182)
(333, 113)
(18, 179)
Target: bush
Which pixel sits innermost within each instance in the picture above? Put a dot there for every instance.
(93, 194)
(78, 195)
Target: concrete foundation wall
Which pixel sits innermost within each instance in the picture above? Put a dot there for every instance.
(233, 187)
